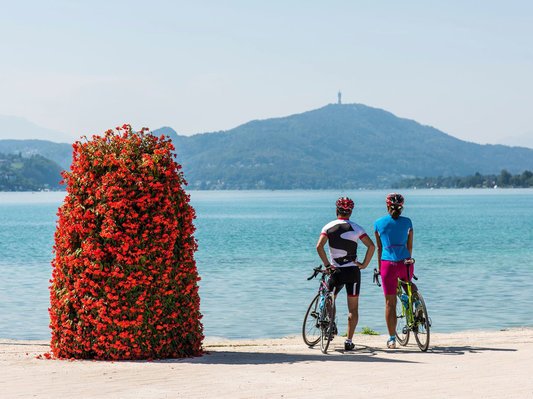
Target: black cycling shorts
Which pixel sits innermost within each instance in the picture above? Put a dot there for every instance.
(346, 276)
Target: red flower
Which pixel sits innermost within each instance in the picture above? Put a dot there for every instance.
(124, 281)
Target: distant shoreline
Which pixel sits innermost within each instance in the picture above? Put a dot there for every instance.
(188, 189)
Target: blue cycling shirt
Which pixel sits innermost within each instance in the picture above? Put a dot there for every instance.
(393, 234)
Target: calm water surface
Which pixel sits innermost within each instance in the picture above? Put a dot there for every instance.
(256, 248)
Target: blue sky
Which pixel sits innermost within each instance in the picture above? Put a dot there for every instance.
(464, 67)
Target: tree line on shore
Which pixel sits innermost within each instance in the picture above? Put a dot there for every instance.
(504, 180)
(35, 173)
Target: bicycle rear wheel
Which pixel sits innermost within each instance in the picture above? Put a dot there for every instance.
(311, 326)
(422, 323)
(327, 324)
(402, 330)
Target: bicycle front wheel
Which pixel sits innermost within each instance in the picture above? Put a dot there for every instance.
(311, 326)
(327, 324)
(422, 323)
(402, 329)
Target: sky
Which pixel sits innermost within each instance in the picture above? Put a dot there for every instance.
(80, 67)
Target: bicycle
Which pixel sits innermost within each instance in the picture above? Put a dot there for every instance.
(411, 312)
(319, 320)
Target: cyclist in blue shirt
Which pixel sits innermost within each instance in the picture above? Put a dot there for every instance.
(394, 239)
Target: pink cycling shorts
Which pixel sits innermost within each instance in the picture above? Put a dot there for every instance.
(391, 271)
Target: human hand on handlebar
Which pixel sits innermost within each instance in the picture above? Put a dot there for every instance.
(330, 268)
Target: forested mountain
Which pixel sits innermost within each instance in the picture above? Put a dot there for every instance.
(337, 146)
(60, 153)
(32, 173)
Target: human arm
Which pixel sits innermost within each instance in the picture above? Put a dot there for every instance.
(410, 242)
(322, 240)
(369, 252)
(380, 250)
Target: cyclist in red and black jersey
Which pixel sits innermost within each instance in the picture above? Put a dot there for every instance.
(342, 235)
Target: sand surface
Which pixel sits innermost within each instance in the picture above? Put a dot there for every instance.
(473, 364)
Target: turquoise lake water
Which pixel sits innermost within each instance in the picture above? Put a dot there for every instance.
(473, 249)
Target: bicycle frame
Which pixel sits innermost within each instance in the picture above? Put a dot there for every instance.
(407, 312)
(323, 313)
(324, 292)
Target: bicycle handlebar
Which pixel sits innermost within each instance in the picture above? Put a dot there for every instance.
(407, 262)
(317, 270)
(314, 274)
(375, 279)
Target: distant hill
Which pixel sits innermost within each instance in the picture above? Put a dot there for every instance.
(523, 140)
(60, 153)
(32, 173)
(337, 146)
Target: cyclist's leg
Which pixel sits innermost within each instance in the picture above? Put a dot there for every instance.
(390, 314)
(335, 285)
(389, 282)
(352, 289)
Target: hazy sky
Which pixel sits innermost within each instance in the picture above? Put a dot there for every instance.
(80, 67)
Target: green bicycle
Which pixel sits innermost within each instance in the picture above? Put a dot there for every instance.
(411, 312)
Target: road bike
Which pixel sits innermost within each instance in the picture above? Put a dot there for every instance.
(319, 321)
(411, 311)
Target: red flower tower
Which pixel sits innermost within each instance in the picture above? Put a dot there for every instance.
(124, 282)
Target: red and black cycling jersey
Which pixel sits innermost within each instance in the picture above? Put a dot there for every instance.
(343, 235)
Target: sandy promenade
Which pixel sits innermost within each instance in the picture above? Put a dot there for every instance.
(467, 365)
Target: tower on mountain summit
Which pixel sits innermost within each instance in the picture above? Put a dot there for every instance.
(339, 95)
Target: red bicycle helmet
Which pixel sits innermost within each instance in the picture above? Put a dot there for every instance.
(395, 199)
(345, 205)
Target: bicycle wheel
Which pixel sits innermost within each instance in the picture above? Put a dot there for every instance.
(311, 326)
(327, 324)
(402, 330)
(422, 323)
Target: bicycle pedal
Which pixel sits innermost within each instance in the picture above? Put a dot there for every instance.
(404, 330)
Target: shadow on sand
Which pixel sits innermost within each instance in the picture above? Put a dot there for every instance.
(362, 354)
(461, 350)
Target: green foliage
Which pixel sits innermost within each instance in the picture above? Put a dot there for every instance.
(60, 153)
(368, 331)
(503, 180)
(337, 146)
(28, 174)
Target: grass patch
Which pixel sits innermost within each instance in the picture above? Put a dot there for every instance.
(368, 331)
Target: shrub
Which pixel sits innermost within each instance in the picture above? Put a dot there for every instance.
(124, 281)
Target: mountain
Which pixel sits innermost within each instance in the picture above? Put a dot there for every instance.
(336, 146)
(32, 173)
(523, 140)
(16, 128)
(58, 152)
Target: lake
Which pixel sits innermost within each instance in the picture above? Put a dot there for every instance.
(256, 248)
